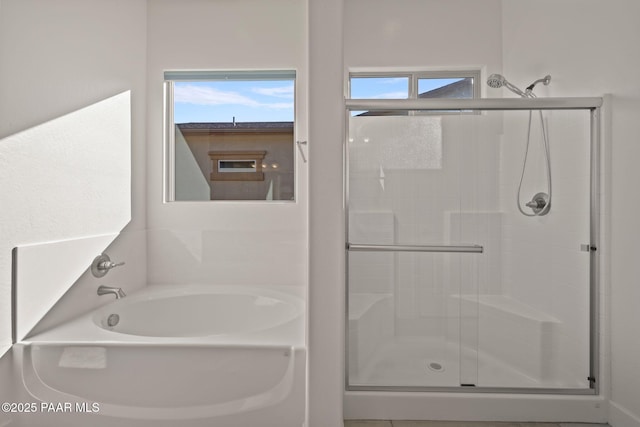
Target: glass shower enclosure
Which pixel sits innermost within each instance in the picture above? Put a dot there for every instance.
(458, 278)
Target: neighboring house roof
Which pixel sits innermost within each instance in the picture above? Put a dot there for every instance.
(236, 127)
(460, 89)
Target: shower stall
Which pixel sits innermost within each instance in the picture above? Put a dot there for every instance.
(460, 276)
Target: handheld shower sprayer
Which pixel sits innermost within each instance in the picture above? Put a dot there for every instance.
(497, 81)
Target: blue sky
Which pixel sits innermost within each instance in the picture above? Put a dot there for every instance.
(391, 87)
(379, 88)
(271, 100)
(220, 101)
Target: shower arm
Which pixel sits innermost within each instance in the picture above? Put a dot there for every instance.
(545, 81)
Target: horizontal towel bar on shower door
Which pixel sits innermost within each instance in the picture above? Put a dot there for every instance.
(414, 248)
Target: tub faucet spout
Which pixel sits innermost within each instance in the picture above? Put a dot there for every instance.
(105, 290)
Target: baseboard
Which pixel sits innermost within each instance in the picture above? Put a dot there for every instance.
(475, 407)
(621, 417)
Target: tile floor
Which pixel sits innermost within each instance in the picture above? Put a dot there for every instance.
(382, 423)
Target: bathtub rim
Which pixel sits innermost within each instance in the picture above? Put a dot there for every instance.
(82, 329)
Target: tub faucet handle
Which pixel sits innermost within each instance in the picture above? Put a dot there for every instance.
(102, 264)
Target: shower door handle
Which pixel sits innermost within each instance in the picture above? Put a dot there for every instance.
(415, 248)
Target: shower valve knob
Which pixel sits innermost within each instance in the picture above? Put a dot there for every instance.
(539, 204)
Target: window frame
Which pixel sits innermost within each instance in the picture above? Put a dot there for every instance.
(415, 76)
(168, 123)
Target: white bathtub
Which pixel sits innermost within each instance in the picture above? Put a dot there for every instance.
(199, 311)
(195, 355)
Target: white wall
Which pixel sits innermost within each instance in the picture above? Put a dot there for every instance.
(590, 49)
(326, 216)
(55, 58)
(249, 243)
(419, 34)
(95, 138)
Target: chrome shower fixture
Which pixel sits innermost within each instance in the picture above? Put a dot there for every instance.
(545, 81)
(497, 81)
(540, 204)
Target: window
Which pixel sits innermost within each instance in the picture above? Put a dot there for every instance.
(225, 166)
(230, 135)
(424, 84)
(427, 84)
(238, 165)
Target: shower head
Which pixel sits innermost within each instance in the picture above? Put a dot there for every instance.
(497, 81)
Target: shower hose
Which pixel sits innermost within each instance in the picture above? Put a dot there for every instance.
(545, 149)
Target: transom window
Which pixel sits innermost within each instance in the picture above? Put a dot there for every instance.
(425, 84)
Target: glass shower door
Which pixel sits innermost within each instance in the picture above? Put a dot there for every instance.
(456, 277)
(412, 287)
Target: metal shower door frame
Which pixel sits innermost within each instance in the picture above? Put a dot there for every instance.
(594, 106)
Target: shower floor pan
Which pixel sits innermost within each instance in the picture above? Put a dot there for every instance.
(420, 362)
(508, 357)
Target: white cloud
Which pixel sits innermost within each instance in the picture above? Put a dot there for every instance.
(192, 94)
(279, 105)
(394, 80)
(390, 95)
(201, 95)
(280, 92)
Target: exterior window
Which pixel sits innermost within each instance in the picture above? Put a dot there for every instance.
(425, 84)
(428, 84)
(238, 165)
(230, 135)
(225, 166)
